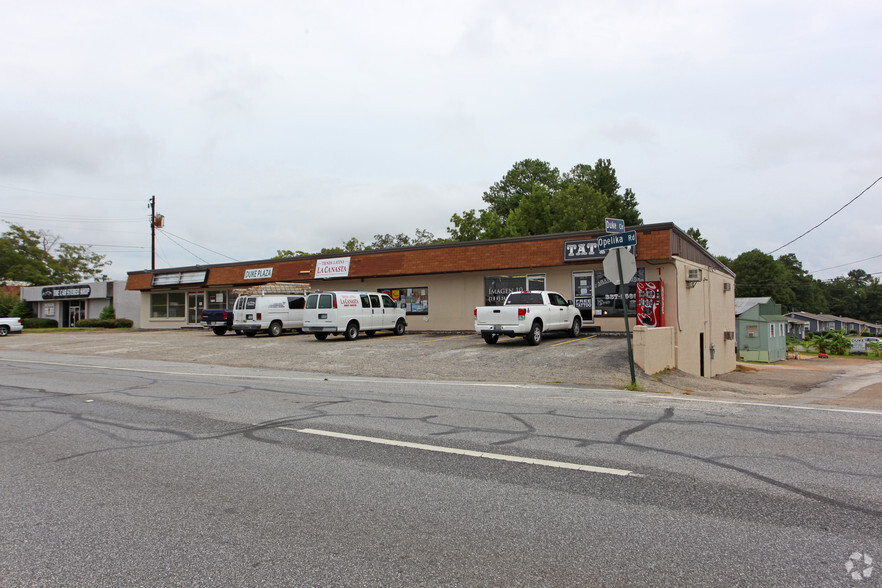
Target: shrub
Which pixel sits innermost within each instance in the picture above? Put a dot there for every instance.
(105, 323)
(107, 313)
(8, 300)
(39, 323)
(22, 310)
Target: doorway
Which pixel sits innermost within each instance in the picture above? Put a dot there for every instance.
(195, 304)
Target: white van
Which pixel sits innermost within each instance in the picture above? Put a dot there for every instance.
(350, 312)
(270, 313)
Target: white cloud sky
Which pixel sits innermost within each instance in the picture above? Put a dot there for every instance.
(297, 125)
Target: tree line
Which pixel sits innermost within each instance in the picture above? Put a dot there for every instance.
(532, 198)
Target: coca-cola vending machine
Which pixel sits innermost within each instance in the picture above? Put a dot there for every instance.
(651, 304)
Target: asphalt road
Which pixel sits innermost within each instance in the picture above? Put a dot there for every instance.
(138, 472)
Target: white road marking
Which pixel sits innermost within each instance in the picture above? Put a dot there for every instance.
(468, 453)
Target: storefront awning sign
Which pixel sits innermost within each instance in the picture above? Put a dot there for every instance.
(337, 267)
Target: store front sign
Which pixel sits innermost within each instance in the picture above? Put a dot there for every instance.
(585, 249)
(259, 273)
(332, 268)
(55, 292)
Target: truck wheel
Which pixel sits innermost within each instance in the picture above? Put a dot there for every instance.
(534, 337)
(4, 330)
(400, 326)
(351, 333)
(219, 331)
(490, 338)
(576, 329)
(321, 336)
(275, 329)
(250, 333)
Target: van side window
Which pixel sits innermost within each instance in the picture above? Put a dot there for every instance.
(324, 301)
(365, 301)
(375, 301)
(296, 303)
(388, 302)
(250, 303)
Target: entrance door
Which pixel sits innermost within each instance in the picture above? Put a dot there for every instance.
(75, 312)
(583, 295)
(195, 304)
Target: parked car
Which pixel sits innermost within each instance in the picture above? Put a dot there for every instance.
(10, 325)
(272, 314)
(218, 320)
(528, 315)
(348, 313)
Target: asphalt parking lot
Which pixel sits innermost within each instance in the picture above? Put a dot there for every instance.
(595, 361)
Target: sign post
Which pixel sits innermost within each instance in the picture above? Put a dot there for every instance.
(617, 242)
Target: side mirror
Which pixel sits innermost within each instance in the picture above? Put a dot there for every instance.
(569, 303)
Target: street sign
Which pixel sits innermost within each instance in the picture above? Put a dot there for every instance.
(615, 225)
(612, 262)
(625, 239)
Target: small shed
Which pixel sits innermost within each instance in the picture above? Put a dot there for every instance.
(761, 330)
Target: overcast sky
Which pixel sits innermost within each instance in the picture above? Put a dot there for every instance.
(295, 125)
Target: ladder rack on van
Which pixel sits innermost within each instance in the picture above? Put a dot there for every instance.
(274, 288)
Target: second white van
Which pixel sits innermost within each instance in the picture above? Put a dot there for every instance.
(348, 313)
(268, 313)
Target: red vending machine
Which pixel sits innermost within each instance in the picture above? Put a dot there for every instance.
(651, 304)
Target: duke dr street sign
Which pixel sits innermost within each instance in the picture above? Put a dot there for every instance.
(615, 225)
(625, 239)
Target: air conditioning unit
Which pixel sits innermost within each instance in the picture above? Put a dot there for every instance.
(693, 275)
(727, 286)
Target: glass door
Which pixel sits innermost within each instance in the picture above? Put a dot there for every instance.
(195, 304)
(583, 294)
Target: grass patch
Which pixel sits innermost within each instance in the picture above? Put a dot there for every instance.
(634, 387)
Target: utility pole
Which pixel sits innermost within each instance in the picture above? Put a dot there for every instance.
(152, 207)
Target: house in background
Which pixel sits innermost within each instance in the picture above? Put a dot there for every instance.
(797, 328)
(818, 323)
(761, 330)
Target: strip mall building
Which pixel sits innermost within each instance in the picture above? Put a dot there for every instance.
(685, 297)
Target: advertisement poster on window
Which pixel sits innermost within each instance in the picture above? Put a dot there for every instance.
(412, 300)
(583, 295)
(497, 288)
(651, 304)
(607, 301)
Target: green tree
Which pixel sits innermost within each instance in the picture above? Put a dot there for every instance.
(40, 258)
(107, 313)
(759, 274)
(696, 235)
(8, 300)
(533, 198)
(806, 290)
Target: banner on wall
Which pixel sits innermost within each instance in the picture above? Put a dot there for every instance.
(332, 268)
(651, 304)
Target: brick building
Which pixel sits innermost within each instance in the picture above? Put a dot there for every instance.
(691, 326)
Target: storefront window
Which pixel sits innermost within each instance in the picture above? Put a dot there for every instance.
(168, 305)
(219, 299)
(412, 300)
(497, 288)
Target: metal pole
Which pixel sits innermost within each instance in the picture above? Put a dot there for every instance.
(152, 206)
(623, 290)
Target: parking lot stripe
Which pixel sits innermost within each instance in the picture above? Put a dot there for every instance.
(468, 453)
(574, 340)
(449, 338)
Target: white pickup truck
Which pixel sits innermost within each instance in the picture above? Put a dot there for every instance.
(9, 325)
(528, 315)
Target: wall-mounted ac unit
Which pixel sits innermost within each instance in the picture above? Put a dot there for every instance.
(693, 275)
(727, 286)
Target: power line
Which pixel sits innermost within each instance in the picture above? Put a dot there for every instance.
(826, 219)
(845, 264)
(198, 245)
(182, 247)
(114, 199)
